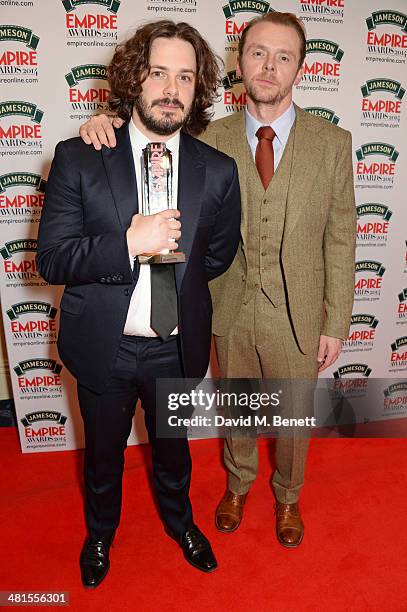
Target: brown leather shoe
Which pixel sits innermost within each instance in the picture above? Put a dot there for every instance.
(290, 528)
(229, 512)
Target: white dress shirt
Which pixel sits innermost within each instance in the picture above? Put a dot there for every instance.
(281, 126)
(139, 313)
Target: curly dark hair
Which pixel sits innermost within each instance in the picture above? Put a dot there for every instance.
(131, 64)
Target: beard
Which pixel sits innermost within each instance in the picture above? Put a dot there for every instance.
(261, 96)
(165, 125)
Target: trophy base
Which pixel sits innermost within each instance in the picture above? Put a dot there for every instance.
(161, 258)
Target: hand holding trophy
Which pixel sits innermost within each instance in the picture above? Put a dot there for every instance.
(157, 194)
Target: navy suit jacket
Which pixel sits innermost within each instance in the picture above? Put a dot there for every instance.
(90, 199)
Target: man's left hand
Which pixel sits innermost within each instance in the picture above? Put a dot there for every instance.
(329, 351)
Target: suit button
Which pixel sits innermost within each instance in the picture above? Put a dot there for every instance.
(126, 292)
(243, 278)
(265, 201)
(265, 219)
(257, 286)
(264, 237)
(263, 254)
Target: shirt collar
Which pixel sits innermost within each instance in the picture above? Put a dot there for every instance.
(281, 126)
(139, 140)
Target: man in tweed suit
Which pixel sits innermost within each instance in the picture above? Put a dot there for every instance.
(284, 306)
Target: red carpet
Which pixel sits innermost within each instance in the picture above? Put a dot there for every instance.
(353, 557)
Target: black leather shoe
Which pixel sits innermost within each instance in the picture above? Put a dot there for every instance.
(94, 562)
(197, 550)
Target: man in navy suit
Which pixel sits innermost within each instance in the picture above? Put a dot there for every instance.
(123, 326)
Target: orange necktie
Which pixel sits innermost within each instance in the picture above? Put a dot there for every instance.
(265, 154)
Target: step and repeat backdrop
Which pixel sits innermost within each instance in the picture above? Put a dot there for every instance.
(53, 57)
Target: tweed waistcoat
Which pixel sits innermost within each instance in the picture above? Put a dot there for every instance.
(265, 227)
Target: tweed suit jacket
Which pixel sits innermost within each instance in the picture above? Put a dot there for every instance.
(318, 244)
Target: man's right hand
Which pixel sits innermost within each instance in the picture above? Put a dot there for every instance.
(154, 233)
(99, 131)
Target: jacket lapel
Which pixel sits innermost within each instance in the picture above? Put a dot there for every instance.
(232, 141)
(119, 166)
(308, 145)
(191, 183)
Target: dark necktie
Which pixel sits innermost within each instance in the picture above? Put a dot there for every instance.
(164, 311)
(265, 154)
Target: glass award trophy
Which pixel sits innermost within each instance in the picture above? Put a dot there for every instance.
(157, 194)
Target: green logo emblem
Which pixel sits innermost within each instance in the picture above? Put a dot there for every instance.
(374, 209)
(37, 364)
(353, 368)
(387, 17)
(19, 34)
(364, 319)
(325, 113)
(401, 386)
(18, 246)
(25, 109)
(23, 308)
(33, 417)
(398, 343)
(377, 148)
(246, 6)
(319, 45)
(87, 71)
(26, 179)
(111, 5)
(370, 266)
(403, 296)
(231, 79)
(387, 85)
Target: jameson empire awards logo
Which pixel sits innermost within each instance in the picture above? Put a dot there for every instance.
(44, 429)
(351, 380)
(369, 278)
(19, 263)
(32, 323)
(86, 93)
(322, 73)
(16, 204)
(234, 95)
(362, 333)
(395, 398)
(381, 103)
(91, 22)
(18, 55)
(372, 224)
(39, 378)
(20, 127)
(402, 307)
(398, 357)
(378, 173)
(324, 113)
(386, 36)
(235, 23)
(331, 10)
